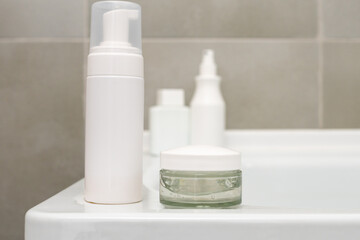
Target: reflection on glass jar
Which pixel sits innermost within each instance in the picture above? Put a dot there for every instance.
(200, 188)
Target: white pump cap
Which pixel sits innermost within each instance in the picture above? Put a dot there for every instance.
(201, 158)
(116, 25)
(170, 97)
(208, 65)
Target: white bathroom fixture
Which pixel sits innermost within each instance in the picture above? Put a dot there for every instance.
(297, 184)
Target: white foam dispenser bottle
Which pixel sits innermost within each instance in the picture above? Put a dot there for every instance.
(114, 105)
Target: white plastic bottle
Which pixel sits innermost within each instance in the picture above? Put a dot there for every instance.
(207, 107)
(114, 105)
(168, 121)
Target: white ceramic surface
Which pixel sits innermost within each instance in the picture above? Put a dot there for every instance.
(299, 184)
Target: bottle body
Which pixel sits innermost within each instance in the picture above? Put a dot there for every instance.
(207, 117)
(169, 127)
(114, 133)
(207, 124)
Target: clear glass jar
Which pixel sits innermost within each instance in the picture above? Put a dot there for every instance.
(200, 188)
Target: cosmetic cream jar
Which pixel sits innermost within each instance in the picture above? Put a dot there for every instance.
(200, 176)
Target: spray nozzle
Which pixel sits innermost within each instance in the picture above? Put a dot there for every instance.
(116, 27)
(208, 65)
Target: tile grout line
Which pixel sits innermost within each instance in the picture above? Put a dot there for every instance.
(180, 40)
(160, 40)
(85, 36)
(85, 46)
(342, 40)
(42, 40)
(249, 40)
(229, 40)
(320, 39)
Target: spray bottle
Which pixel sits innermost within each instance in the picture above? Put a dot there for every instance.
(207, 107)
(114, 105)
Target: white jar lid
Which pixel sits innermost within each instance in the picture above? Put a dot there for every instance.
(200, 158)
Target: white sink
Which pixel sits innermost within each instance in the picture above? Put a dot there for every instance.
(301, 184)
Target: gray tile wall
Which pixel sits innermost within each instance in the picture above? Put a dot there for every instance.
(271, 84)
(284, 64)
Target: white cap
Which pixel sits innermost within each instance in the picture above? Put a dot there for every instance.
(115, 26)
(170, 97)
(200, 158)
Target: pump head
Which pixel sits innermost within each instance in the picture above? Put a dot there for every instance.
(116, 25)
(208, 65)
